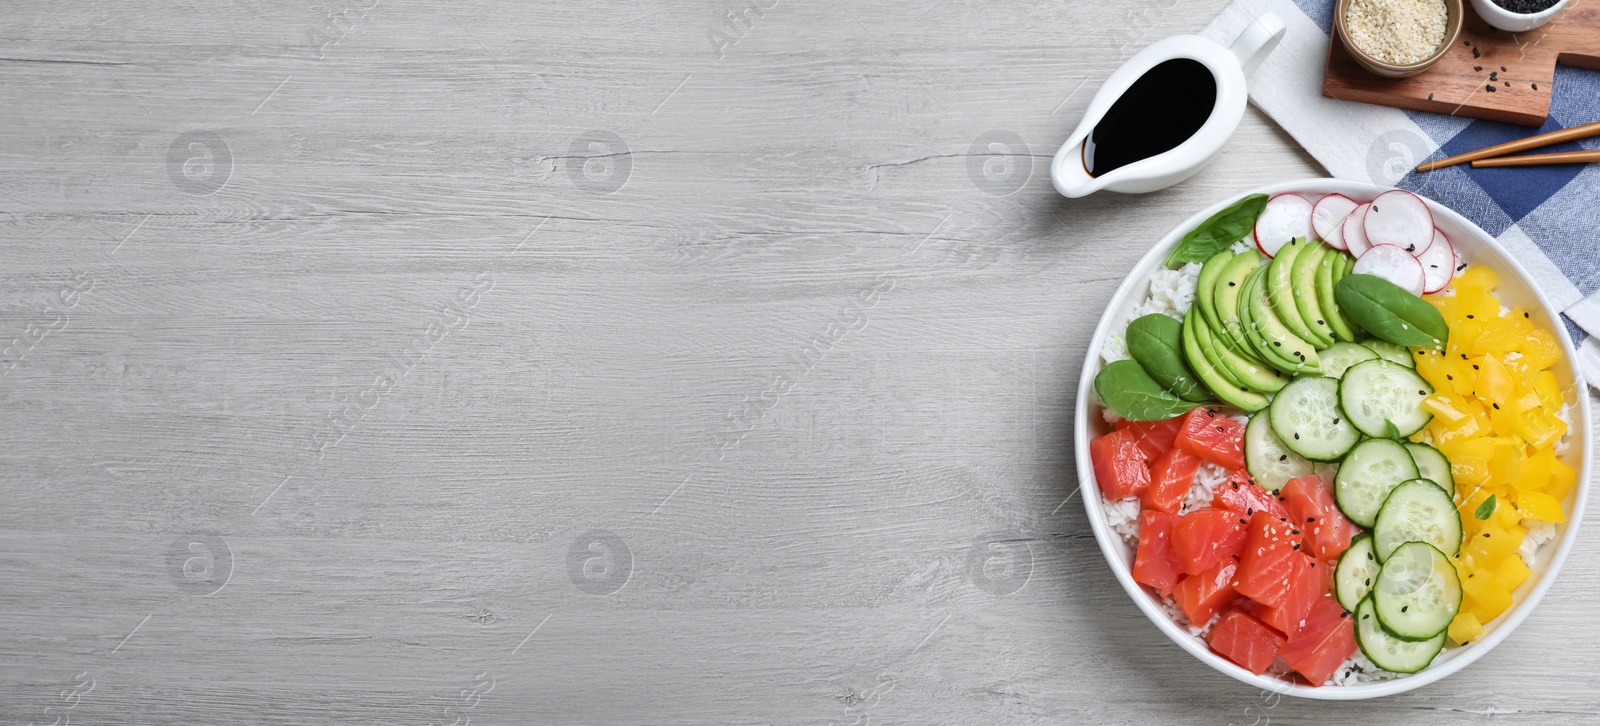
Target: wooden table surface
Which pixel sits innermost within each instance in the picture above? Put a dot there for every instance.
(680, 362)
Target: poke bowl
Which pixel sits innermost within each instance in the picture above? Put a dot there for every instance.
(1332, 440)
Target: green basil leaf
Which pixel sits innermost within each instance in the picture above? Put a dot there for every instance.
(1219, 232)
(1389, 430)
(1156, 342)
(1390, 312)
(1486, 509)
(1127, 389)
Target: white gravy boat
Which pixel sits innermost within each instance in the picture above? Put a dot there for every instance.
(1229, 67)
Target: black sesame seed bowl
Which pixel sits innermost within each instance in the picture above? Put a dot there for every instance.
(1515, 289)
(1517, 16)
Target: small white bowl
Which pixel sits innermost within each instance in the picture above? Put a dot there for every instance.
(1511, 22)
(1516, 289)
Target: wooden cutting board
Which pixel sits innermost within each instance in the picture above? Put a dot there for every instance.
(1488, 74)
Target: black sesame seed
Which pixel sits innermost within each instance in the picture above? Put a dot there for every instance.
(1494, 75)
(1475, 53)
(1524, 315)
(1449, 377)
(1471, 317)
(1297, 436)
(1508, 83)
(1491, 89)
(1220, 430)
(1535, 86)
(1231, 284)
(1319, 322)
(1336, 419)
(1430, 97)
(1404, 608)
(1280, 345)
(1422, 393)
(1478, 68)
(1369, 581)
(1503, 67)
(1474, 366)
(1496, 406)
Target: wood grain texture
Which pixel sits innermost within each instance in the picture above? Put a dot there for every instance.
(395, 376)
(1488, 73)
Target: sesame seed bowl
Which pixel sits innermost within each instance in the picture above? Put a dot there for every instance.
(1383, 37)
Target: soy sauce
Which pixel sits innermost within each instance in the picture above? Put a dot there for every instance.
(1161, 110)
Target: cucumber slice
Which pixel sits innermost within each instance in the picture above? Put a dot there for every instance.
(1372, 470)
(1384, 398)
(1417, 511)
(1307, 419)
(1390, 351)
(1417, 593)
(1388, 652)
(1340, 356)
(1432, 465)
(1267, 459)
(1357, 568)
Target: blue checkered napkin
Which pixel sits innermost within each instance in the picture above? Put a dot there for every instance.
(1548, 217)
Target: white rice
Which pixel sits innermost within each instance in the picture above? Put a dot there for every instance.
(1539, 534)
(1171, 293)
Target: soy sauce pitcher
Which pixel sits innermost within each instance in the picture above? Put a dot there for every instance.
(1163, 114)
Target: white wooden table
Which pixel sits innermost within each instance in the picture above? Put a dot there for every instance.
(425, 362)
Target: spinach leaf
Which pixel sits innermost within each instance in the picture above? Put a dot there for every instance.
(1390, 312)
(1219, 232)
(1156, 342)
(1134, 395)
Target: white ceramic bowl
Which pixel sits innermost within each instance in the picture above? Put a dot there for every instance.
(1476, 247)
(1511, 22)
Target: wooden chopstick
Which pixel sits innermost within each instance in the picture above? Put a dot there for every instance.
(1564, 157)
(1532, 142)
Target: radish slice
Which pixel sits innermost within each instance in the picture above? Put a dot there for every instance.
(1327, 218)
(1286, 217)
(1438, 263)
(1393, 264)
(1401, 219)
(1353, 231)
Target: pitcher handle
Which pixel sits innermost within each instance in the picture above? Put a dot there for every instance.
(1257, 41)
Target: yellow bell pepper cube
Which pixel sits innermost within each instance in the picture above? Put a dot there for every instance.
(1469, 470)
(1540, 506)
(1494, 383)
(1511, 573)
(1477, 276)
(1539, 349)
(1488, 599)
(1465, 628)
(1562, 477)
(1505, 464)
(1441, 405)
(1493, 544)
(1549, 390)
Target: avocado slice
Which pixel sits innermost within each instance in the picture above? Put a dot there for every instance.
(1279, 288)
(1208, 281)
(1277, 343)
(1268, 352)
(1248, 372)
(1326, 278)
(1236, 395)
(1204, 342)
(1303, 278)
(1230, 282)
